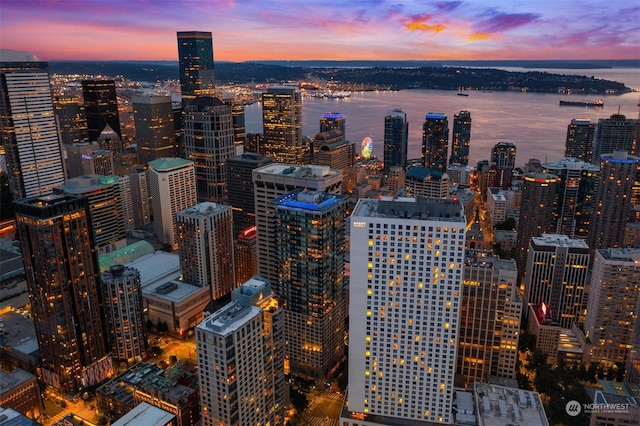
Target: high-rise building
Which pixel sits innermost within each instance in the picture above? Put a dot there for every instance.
(632, 376)
(81, 161)
(435, 141)
(557, 269)
(579, 142)
(576, 192)
(537, 208)
(426, 183)
(612, 201)
(155, 129)
(282, 125)
(396, 139)
(71, 119)
(489, 318)
(246, 254)
(461, 138)
(126, 202)
(209, 142)
(195, 57)
(110, 140)
(124, 313)
(333, 121)
(616, 133)
(396, 178)
(240, 186)
(240, 359)
(272, 181)
(239, 127)
(105, 206)
(61, 266)
(405, 299)
(100, 106)
(205, 245)
(331, 149)
(28, 129)
(172, 182)
(310, 239)
(503, 155)
(140, 198)
(612, 310)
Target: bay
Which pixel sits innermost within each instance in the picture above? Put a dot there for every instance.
(533, 121)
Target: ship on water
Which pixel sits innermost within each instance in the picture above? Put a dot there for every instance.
(593, 104)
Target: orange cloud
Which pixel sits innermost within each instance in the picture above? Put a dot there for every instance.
(421, 26)
(479, 36)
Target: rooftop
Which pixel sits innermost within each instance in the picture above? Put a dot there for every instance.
(228, 319)
(410, 208)
(204, 209)
(145, 414)
(168, 164)
(309, 200)
(571, 163)
(559, 240)
(423, 173)
(501, 406)
(626, 254)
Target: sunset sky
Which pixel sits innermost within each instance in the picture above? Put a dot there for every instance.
(245, 30)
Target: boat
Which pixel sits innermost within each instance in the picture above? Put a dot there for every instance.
(463, 94)
(593, 104)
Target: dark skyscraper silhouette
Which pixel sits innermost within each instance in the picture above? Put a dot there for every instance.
(461, 138)
(155, 129)
(195, 56)
(435, 141)
(503, 155)
(101, 107)
(396, 139)
(616, 133)
(579, 142)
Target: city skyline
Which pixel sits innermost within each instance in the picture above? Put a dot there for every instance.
(363, 30)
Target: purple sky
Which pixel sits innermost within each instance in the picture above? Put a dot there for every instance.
(329, 29)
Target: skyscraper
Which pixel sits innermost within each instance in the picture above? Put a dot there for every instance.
(331, 149)
(612, 202)
(613, 303)
(272, 181)
(240, 185)
(246, 254)
(195, 57)
(240, 359)
(461, 138)
(579, 142)
(616, 133)
(426, 183)
(205, 245)
(282, 125)
(332, 121)
(503, 155)
(407, 258)
(557, 269)
(28, 129)
(100, 106)
(71, 119)
(172, 182)
(209, 142)
(396, 139)
(155, 131)
(61, 266)
(310, 250)
(489, 318)
(435, 141)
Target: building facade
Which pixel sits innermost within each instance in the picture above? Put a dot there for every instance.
(461, 138)
(246, 254)
(332, 121)
(396, 139)
(579, 143)
(616, 133)
(331, 149)
(435, 141)
(195, 60)
(282, 125)
(155, 129)
(100, 106)
(426, 183)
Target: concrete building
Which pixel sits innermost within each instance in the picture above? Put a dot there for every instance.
(71, 119)
(172, 182)
(148, 415)
(140, 200)
(155, 128)
(246, 255)
(11, 417)
(426, 183)
(20, 390)
(616, 133)
(502, 406)
(331, 149)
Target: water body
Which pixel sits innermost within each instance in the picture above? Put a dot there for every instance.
(533, 121)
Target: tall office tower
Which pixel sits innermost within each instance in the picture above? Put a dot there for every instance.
(140, 198)
(61, 266)
(612, 202)
(426, 183)
(537, 209)
(503, 155)
(239, 127)
(195, 56)
(126, 203)
(576, 192)
(489, 318)
(310, 252)
(461, 138)
(28, 129)
(333, 121)
(100, 106)
(613, 303)
(253, 143)
(110, 140)
(99, 162)
(124, 313)
(172, 182)
(396, 139)
(105, 207)
(71, 119)
(205, 244)
(556, 275)
(155, 129)
(435, 141)
(616, 133)
(579, 142)
(246, 254)
(240, 351)
(331, 149)
(272, 181)
(240, 186)
(209, 142)
(282, 125)
(404, 309)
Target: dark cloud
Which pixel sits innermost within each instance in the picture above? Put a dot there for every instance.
(501, 22)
